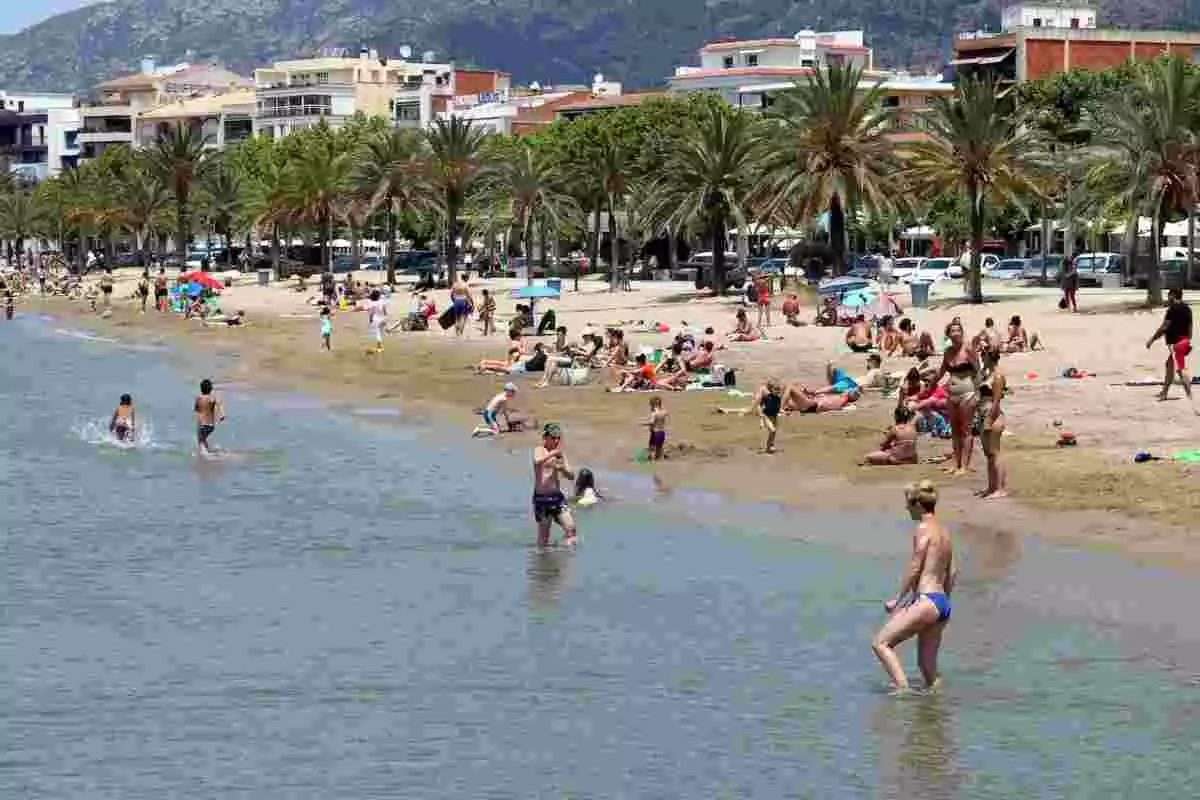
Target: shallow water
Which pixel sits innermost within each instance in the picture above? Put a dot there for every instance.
(348, 606)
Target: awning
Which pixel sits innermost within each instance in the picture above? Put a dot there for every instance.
(980, 61)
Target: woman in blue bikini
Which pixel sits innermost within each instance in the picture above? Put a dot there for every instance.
(922, 606)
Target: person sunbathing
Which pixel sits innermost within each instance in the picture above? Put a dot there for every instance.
(236, 321)
(701, 360)
(1017, 340)
(899, 445)
(841, 381)
(492, 365)
(905, 340)
(618, 350)
(805, 401)
(889, 337)
(671, 373)
(858, 337)
(743, 331)
(926, 348)
(989, 338)
(641, 377)
(827, 313)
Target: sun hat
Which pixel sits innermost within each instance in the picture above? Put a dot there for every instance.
(510, 387)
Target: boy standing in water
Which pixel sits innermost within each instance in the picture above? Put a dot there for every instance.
(769, 400)
(326, 328)
(8, 304)
(657, 423)
(921, 607)
(208, 414)
(123, 420)
(549, 503)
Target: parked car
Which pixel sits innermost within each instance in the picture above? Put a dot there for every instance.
(1173, 271)
(416, 261)
(129, 260)
(932, 271)
(1093, 267)
(1010, 269)
(866, 267)
(702, 263)
(987, 262)
(903, 267)
(1033, 271)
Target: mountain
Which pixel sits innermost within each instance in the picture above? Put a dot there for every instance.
(638, 42)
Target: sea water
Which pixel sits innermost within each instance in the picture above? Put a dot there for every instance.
(348, 606)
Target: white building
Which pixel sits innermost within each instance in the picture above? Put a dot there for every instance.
(219, 119)
(1078, 16)
(39, 133)
(747, 73)
(442, 89)
(113, 119)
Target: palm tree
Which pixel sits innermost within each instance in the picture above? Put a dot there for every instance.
(831, 149)
(20, 215)
(455, 163)
(144, 202)
(319, 177)
(223, 186)
(529, 185)
(179, 158)
(1147, 148)
(614, 169)
(392, 172)
(710, 180)
(979, 148)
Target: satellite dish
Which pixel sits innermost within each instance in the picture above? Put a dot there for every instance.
(535, 87)
(405, 52)
(427, 56)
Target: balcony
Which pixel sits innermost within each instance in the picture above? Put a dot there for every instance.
(307, 87)
(291, 112)
(105, 137)
(102, 110)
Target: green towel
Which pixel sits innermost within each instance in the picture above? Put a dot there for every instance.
(1187, 456)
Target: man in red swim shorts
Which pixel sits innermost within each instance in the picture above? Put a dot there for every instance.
(1176, 331)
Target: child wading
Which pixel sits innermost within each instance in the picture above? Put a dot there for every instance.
(549, 504)
(326, 329)
(657, 423)
(121, 426)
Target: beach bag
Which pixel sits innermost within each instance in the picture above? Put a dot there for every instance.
(1062, 304)
(446, 320)
(729, 379)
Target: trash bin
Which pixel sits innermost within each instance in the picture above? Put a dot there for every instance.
(920, 293)
(264, 277)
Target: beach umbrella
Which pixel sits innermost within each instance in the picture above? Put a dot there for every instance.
(536, 293)
(204, 279)
(837, 286)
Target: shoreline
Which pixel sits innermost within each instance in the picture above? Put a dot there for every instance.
(602, 431)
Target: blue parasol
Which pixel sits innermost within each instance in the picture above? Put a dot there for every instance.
(536, 293)
(841, 286)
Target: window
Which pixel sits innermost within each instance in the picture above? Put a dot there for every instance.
(752, 60)
(728, 62)
(20, 105)
(322, 77)
(806, 62)
(1196, 55)
(1074, 22)
(1037, 22)
(891, 101)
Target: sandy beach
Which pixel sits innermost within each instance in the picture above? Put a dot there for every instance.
(1092, 494)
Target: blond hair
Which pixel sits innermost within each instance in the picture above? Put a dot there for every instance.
(922, 493)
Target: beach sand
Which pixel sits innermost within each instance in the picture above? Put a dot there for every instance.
(1091, 494)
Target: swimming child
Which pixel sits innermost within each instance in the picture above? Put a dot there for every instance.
(209, 412)
(657, 423)
(499, 405)
(8, 304)
(585, 488)
(549, 504)
(326, 328)
(123, 420)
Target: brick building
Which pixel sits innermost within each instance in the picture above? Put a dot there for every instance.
(1037, 40)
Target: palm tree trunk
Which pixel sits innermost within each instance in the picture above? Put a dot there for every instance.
(1187, 279)
(181, 228)
(718, 243)
(391, 243)
(837, 233)
(276, 264)
(491, 245)
(975, 277)
(594, 244)
(543, 239)
(614, 247)
(451, 241)
(1129, 246)
(1154, 276)
(528, 242)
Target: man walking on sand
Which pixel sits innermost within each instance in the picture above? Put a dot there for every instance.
(921, 607)
(1176, 331)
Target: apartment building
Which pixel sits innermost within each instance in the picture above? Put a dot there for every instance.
(219, 119)
(39, 134)
(439, 89)
(748, 73)
(1038, 39)
(113, 118)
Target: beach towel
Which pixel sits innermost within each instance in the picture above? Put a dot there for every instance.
(842, 382)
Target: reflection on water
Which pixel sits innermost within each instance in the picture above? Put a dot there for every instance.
(348, 608)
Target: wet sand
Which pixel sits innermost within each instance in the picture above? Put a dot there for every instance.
(1090, 495)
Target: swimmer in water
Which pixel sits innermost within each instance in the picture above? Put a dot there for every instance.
(585, 489)
(123, 420)
(549, 503)
(922, 606)
(209, 412)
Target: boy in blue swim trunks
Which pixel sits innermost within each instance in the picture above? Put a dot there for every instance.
(549, 503)
(499, 405)
(922, 606)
